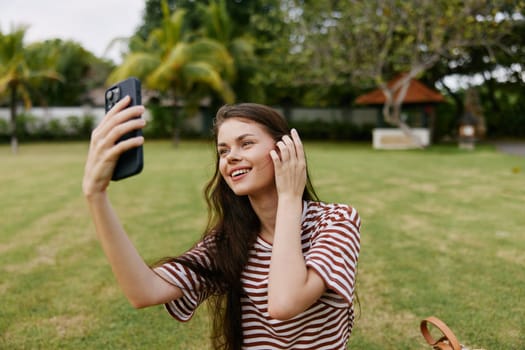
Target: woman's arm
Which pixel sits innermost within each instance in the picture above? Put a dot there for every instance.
(140, 284)
(292, 287)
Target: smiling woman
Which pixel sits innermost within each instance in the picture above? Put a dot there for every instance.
(277, 264)
(245, 163)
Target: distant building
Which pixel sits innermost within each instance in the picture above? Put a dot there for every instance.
(418, 105)
(417, 111)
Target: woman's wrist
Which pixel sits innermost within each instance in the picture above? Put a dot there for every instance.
(93, 196)
(290, 198)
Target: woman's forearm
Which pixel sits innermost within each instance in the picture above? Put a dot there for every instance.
(292, 288)
(139, 283)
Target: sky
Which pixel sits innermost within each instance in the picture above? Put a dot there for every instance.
(92, 23)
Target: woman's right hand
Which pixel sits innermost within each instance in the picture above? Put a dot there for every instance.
(103, 149)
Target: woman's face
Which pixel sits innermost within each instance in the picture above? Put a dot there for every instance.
(245, 164)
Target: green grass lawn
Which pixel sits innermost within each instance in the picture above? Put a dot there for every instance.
(443, 234)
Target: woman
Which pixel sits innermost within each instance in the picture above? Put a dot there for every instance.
(278, 264)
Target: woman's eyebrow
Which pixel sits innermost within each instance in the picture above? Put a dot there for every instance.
(237, 139)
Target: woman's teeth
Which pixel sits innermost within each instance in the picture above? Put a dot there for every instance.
(240, 172)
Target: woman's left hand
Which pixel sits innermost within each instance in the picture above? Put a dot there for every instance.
(289, 165)
(292, 286)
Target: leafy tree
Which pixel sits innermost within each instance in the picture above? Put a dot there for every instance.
(500, 74)
(251, 30)
(275, 49)
(219, 25)
(21, 68)
(373, 41)
(80, 69)
(152, 17)
(241, 11)
(174, 62)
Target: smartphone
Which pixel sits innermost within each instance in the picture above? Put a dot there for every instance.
(130, 162)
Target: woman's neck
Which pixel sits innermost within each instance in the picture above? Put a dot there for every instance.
(265, 207)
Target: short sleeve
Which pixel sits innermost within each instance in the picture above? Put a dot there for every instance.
(334, 251)
(192, 285)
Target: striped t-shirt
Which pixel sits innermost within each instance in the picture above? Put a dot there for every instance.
(330, 243)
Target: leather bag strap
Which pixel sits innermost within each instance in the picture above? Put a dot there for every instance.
(448, 334)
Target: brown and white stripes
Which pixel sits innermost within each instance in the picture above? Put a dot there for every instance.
(330, 243)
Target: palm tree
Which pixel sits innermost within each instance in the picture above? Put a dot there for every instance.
(219, 25)
(176, 62)
(21, 68)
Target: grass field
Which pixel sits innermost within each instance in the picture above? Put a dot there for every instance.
(443, 234)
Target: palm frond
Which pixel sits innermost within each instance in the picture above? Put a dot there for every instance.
(4, 83)
(203, 73)
(137, 64)
(214, 53)
(167, 71)
(24, 92)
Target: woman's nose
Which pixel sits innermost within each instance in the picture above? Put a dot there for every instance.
(233, 156)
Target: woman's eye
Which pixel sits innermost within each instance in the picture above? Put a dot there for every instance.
(247, 143)
(222, 152)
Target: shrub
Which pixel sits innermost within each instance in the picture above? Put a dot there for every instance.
(31, 128)
(340, 131)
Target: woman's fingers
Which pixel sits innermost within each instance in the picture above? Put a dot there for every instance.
(117, 116)
(283, 151)
(123, 128)
(110, 120)
(290, 164)
(291, 147)
(120, 105)
(298, 145)
(101, 139)
(104, 150)
(116, 123)
(289, 152)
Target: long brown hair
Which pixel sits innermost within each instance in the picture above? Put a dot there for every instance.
(234, 226)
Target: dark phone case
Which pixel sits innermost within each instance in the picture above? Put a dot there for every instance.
(130, 162)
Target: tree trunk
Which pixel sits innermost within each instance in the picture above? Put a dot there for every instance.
(175, 137)
(14, 138)
(408, 132)
(392, 108)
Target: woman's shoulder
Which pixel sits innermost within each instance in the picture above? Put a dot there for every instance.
(333, 222)
(335, 211)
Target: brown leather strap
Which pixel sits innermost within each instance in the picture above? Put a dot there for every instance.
(448, 334)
